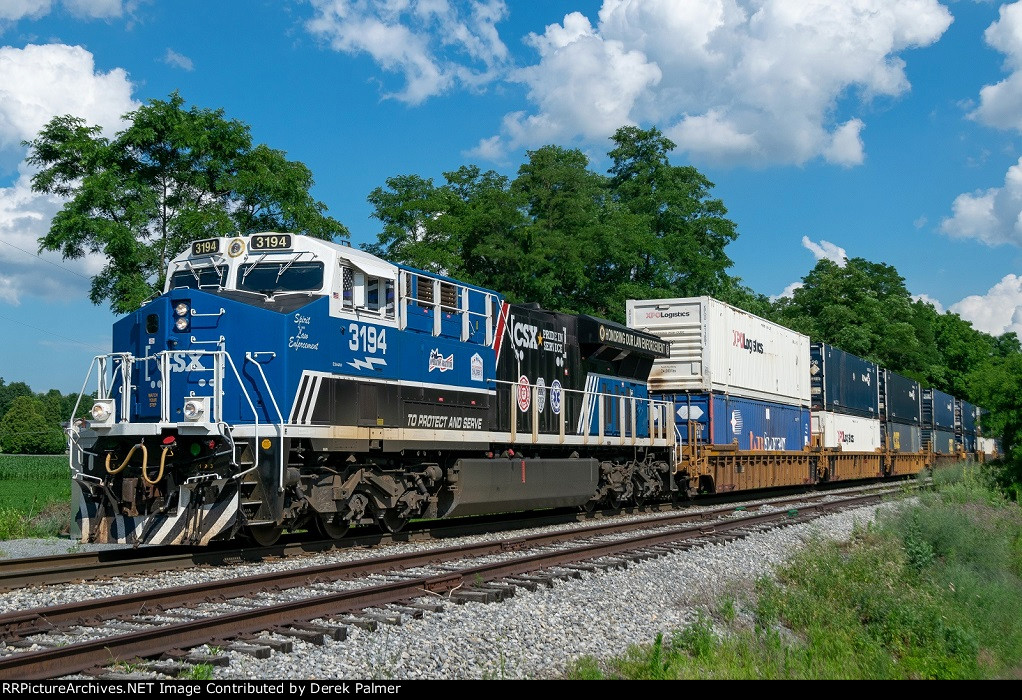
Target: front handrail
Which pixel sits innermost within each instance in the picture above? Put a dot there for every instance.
(250, 357)
(221, 360)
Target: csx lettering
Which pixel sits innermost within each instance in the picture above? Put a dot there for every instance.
(525, 335)
(746, 343)
(186, 362)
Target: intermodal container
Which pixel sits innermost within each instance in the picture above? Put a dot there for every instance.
(941, 441)
(938, 409)
(903, 399)
(842, 382)
(846, 433)
(904, 437)
(968, 442)
(750, 424)
(987, 446)
(969, 412)
(717, 348)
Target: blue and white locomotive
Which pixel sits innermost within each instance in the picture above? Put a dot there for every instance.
(284, 382)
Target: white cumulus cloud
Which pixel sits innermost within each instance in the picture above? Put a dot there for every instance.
(788, 292)
(434, 44)
(996, 312)
(39, 82)
(14, 10)
(36, 84)
(826, 249)
(730, 81)
(926, 298)
(994, 215)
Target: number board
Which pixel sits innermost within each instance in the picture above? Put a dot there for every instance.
(271, 241)
(206, 247)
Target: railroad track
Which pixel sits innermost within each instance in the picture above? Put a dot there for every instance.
(88, 566)
(321, 601)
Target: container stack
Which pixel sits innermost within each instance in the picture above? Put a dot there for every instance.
(845, 393)
(900, 412)
(741, 380)
(966, 425)
(938, 416)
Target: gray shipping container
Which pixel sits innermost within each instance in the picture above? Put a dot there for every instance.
(941, 441)
(904, 437)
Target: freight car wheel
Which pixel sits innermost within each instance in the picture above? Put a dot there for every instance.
(334, 529)
(264, 535)
(391, 522)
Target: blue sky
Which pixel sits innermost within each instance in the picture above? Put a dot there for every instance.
(884, 129)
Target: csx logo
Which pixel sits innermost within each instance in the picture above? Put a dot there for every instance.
(524, 335)
(751, 345)
(182, 362)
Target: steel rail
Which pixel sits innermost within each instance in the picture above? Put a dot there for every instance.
(82, 656)
(84, 566)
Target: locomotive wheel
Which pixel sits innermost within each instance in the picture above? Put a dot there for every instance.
(331, 528)
(391, 522)
(264, 535)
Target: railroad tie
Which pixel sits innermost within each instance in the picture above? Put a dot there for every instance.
(258, 652)
(211, 659)
(316, 638)
(426, 607)
(360, 622)
(334, 632)
(285, 646)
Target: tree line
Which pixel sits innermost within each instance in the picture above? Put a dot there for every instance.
(559, 233)
(33, 423)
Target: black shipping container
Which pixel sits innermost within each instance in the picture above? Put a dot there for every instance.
(842, 382)
(938, 409)
(903, 398)
(968, 418)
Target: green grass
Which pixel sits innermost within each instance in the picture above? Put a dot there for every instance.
(35, 496)
(931, 591)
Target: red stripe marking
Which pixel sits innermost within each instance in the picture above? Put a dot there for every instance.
(498, 339)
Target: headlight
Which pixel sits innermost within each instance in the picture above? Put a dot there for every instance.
(102, 411)
(181, 324)
(194, 409)
(181, 309)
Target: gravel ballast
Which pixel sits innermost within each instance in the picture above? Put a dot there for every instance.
(532, 635)
(536, 634)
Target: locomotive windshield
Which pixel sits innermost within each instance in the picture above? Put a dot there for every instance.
(284, 276)
(200, 277)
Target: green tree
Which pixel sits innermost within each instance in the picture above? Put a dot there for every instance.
(174, 175)
(682, 246)
(9, 392)
(25, 430)
(564, 236)
(863, 308)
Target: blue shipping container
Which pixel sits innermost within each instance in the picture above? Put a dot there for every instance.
(842, 382)
(938, 409)
(752, 424)
(968, 418)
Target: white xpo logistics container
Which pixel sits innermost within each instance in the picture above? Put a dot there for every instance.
(846, 433)
(718, 348)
